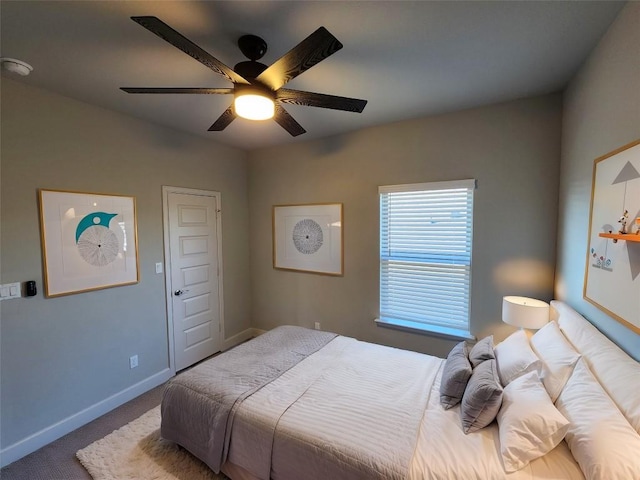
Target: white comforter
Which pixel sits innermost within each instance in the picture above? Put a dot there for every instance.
(355, 410)
(350, 411)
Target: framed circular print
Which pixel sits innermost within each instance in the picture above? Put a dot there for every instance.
(308, 238)
(89, 241)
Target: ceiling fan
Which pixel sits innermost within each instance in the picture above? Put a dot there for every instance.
(257, 89)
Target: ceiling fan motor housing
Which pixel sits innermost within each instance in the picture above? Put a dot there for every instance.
(254, 89)
(249, 69)
(254, 48)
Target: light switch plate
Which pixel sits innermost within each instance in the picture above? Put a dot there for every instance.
(9, 291)
(158, 267)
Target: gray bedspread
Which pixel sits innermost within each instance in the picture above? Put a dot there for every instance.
(198, 405)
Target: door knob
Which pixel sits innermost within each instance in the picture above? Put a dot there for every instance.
(177, 293)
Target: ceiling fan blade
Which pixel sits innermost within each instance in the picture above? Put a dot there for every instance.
(164, 31)
(287, 122)
(223, 121)
(312, 50)
(311, 99)
(176, 90)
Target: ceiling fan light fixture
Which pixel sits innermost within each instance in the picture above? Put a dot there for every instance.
(257, 87)
(254, 106)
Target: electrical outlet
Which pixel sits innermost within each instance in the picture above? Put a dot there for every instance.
(317, 326)
(133, 361)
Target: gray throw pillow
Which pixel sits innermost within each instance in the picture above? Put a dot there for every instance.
(455, 375)
(482, 397)
(481, 351)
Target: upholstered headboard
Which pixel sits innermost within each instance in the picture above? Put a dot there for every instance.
(617, 372)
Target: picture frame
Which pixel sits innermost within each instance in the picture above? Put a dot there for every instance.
(612, 270)
(308, 238)
(89, 241)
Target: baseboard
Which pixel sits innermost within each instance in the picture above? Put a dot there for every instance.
(238, 338)
(47, 435)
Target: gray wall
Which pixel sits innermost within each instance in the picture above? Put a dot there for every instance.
(513, 151)
(62, 355)
(59, 356)
(601, 113)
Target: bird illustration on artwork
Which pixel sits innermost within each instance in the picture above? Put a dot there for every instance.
(624, 219)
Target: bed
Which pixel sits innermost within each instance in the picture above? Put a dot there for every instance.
(296, 404)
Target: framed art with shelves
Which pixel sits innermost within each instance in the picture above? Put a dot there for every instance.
(612, 270)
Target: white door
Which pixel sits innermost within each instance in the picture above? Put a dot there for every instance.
(194, 276)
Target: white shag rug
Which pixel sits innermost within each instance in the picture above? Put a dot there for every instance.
(136, 451)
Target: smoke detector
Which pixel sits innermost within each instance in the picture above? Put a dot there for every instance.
(16, 66)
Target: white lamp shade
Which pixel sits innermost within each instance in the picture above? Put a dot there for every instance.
(525, 312)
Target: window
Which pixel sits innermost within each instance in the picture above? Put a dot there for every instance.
(425, 256)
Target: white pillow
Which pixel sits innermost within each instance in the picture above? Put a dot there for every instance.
(529, 425)
(515, 357)
(601, 440)
(557, 355)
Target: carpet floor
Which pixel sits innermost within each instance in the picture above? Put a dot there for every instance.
(57, 460)
(136, 451)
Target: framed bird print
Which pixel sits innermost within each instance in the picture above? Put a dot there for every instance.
(89, 241)
(308, 238)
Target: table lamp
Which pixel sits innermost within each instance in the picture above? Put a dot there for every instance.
(525, 312)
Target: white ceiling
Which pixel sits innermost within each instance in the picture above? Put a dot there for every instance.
(408, 59)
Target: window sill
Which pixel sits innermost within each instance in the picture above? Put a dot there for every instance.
(414, 327)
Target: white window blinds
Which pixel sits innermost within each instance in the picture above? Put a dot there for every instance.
(425, 255)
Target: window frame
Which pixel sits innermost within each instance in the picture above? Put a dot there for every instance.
(388, 319)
